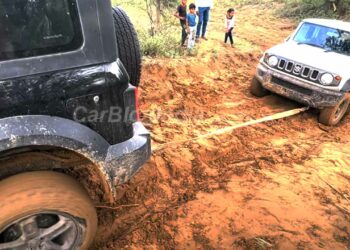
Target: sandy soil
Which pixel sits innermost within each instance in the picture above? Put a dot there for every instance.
(279, 185)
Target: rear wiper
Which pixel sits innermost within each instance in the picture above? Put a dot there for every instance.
(310, 44)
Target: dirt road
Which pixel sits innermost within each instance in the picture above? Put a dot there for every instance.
(279, 185)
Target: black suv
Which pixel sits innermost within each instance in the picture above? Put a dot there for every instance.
(69, 125)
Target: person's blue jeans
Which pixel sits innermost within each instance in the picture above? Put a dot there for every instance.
(204, 13)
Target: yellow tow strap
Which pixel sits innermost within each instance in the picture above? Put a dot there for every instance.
(276, 116)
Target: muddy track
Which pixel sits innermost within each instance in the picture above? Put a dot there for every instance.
(279, 185)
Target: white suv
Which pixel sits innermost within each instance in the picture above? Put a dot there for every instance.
(311, 67)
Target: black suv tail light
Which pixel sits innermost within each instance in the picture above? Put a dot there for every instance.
(131, 105)
(137, 104)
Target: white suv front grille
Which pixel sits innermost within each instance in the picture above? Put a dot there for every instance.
(298, 69)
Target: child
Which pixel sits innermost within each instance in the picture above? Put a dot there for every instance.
(229, 25)
(191, 24)
(181, 13)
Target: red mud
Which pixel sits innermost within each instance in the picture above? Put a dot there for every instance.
(279, 185)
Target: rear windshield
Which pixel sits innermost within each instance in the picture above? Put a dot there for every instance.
(38, 27)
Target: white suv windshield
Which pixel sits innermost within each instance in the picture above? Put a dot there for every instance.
(324, 37)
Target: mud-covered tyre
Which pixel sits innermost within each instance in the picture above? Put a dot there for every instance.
(128, 45)
(45, 210)
(257, 89)
(333, 115)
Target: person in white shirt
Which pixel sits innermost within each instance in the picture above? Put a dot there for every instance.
(229, 25)
(203, 11)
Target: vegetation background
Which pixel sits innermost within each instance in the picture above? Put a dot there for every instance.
(159, 33)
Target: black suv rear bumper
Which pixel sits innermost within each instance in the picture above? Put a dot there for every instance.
(116, 163)
(123, 160)
(296, 89)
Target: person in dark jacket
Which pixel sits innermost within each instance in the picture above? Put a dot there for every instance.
(181, 13)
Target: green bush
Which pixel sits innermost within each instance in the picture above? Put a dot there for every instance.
(300, 9)
(165, 42)
(161, 44)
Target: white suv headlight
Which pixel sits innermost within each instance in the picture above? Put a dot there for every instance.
(327, 79)
(272, 61)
